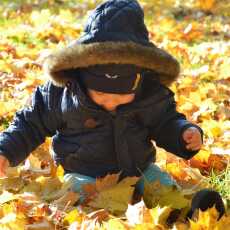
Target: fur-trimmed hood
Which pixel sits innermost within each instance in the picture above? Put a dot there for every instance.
(102, 44)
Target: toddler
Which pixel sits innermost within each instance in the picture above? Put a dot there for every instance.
(106, 100)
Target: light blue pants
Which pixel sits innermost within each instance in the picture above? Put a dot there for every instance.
(152, 173)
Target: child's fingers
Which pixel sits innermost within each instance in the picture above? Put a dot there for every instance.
(194, 144)
(191, 135)
(187, 135)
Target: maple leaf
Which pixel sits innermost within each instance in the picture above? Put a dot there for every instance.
(115, 198)
(11, 184)
(72, 216)
(206, 4)
(209, 220)
(68, 199)
(94, 220)
(157, 194)
(6, 197)
(202, 93)
(13, 221)
(44, 225)
(115, 224)
(91, 189)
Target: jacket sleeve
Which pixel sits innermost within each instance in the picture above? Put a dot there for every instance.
(30, 126)
(167, 132)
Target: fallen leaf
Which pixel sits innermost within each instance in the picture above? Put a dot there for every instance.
(72, 217)
(116, 198)
(158, 194)
(68, 199)
(45, 225)
(14, 184)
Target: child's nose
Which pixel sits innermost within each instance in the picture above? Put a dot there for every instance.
(110, 105)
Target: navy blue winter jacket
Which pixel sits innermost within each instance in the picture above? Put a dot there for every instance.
(91, 141)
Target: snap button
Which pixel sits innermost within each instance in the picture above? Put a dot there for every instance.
(90, 123)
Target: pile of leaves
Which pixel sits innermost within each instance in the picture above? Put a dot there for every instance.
(34, 194)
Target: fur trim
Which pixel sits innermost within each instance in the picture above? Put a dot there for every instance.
(84, 55)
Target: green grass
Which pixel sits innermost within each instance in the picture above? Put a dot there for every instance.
(221, 183)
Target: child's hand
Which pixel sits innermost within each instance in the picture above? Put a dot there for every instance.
(4, 164)
(192, 138)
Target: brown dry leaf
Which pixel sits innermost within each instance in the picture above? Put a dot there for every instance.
(94, 219)
(108, 181)
(217, 162)
(68, 199)
(33, 187)
(51, 188)
(209, 162)
(45, 225)
(14, 184)
(99, 215)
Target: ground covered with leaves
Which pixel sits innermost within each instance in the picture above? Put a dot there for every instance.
(34, 196)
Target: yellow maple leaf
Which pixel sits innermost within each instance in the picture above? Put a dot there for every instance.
(209, 220)
(158, 194)
(115, 224)
(213, 128)
(206, 4)
(72, 216)
(13, 221)
(117, 197)
(203, 155)
(60, 173)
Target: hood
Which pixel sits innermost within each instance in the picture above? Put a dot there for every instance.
(115, 33)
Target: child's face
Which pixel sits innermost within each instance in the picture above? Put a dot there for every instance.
(110, 101)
